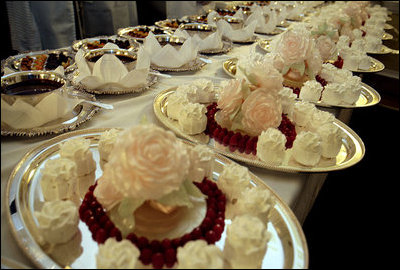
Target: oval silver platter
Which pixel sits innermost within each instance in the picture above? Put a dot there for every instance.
(351, 152)
(286, 249)
(368, 97)
(80, 114)
(77, 44)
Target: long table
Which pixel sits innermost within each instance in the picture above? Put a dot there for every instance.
(298, 190)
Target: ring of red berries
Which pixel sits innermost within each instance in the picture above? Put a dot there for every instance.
(237, 141)
(158, 253)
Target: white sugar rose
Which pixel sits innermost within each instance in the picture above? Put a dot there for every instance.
(115, 254)
(293, 47)
(147, 163)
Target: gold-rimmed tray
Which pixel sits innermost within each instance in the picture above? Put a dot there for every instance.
(15, 62)
(384, 50)
(287, 247)
(351, 152)
(375, 66)
(80, 114)
(368, 96)
(387, 36)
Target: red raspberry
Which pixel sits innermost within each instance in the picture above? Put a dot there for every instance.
(157, 260)
(155, 246)
(220, 221)
(90, 221)
(132, 237)
(216, 132)
(211, 214)
(116, 233)
(196, 233)
(170, 257)
(184, 239)
(87, 214)
(226, 139)
(145, 256)
(142, 242)
(206, 224)
(218, 229)
(249, 147)
(210, 237)
(166, 244)
(101, 236)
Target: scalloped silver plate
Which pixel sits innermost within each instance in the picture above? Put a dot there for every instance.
(226, 48)
(193, 65)
(80, 114)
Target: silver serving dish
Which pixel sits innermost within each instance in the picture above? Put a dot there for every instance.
(170, 24)
(198, 27)
(129, 32)
(94, 43)
(125, 56)
(15, 62)
(80, 114)
(287, 247)
(172, 40)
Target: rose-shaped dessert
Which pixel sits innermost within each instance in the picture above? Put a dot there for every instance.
(117, 254)
(231, 97)
(147, 163)
(261, 111)
(265, 75)
(293, 47)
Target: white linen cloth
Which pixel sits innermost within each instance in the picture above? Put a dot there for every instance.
(213, 41)
(239, 35)
(168, 56)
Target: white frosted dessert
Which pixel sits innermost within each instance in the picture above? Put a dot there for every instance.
(341, 75)
(58, 221)
(358, 45)
(328, 72)
(333, 94)
(199, 255)
(175, 105)
(193, 119)
(331, 139)
(106, 143)
(115, 254)
(255, 202)
(365, 62)
(302, 112)
(205, 90)
(307, 148)
(59, 179)
(246, 242)
(373, 43)
(318, 118)
(233, 179)
(78, 150)
(311, 91)
(271, 146)
(202, 163)
(352, 90)
(287, 100)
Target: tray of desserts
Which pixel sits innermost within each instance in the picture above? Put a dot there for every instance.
(29, 99)
(350, 147)
(28, 203)
(375, 66)
(170, 24)
(140, 32)
(368, 95)
(99, 42)
(383, 50)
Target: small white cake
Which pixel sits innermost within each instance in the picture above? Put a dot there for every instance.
(271, 146)
(352, 90)
(311, 91)
(328, 72)
(233, 179)
(199, 255)
(341, 75)
(331, 139)
(193, 119)
(175, 105)
(115, 254)
(302, 112)
(58, 221)
(333, 94)
(254, 201)
(199, 91)
(318, 118)
(373, 43)
(287, 100)
(78, 150)
(202, 163)
(59, 179)
(307, 148)
(365, 62)
(246, 242)
(106, 143)
(358, 44)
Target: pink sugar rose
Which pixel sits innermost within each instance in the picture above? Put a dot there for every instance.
(105, 192)
(231, 97)
(261, 110)
(147, 163)
(293, 47)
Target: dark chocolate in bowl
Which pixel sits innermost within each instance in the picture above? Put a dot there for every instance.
(30, 86)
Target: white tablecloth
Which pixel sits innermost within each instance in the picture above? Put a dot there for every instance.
(297, 190)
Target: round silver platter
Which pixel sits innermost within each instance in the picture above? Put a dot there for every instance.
(83, 43)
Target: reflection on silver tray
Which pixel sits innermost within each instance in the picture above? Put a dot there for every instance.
(368, 96)
(264, 45)
(351, 152)
(287, 247)
(276, 31)
(225, 48)
(80, 114)
(77, 44)
(250, 40)
(384, 50)
(388, 26)
(387, 36)
(193, 65)
(151, 80)
(14, 62)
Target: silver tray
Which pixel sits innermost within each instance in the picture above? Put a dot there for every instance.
(14, 62)
(352, 151)
(151, 80)
(164, 24)
(368, 96)
(123, 32)
(225, 48)
(287, 247)
(276, 31)
(77, 44)
(80, 114)
(248, 41)
(193, 65)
